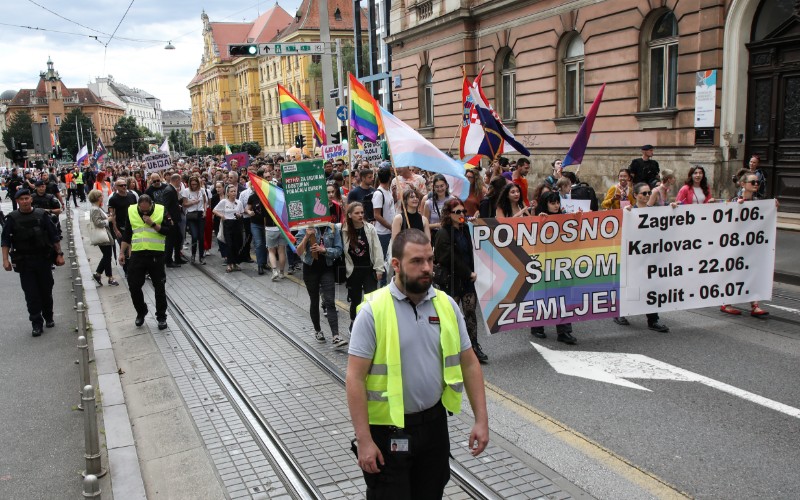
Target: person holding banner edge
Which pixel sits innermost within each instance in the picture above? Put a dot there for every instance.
(454, 268)
(642, 192)
(550, 204)
(750, 184)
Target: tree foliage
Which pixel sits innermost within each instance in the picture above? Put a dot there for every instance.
(128, 137)
(251, 147)
(179, 141)
(68, 134)
(20, 129)
(204, 151)
(218, 149)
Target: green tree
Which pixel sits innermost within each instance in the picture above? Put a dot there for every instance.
(127, 136)
(191, 151)
(252, 148)
(179, 141)
(218, 149)
(68, 135)
(19, 128)
(204, 151)
(236, 148)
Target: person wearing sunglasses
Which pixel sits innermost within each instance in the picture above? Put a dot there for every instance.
(749, 183)
(642, 193)
(454, 267)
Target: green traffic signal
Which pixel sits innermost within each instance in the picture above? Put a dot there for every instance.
(243, 50)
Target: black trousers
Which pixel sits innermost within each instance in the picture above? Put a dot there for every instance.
(361, 281)
(81, 191)
(173, 243)
(247, 238)
(420, 474)
(37, 281)
(74, 194)
(139, 267)
(104, 266)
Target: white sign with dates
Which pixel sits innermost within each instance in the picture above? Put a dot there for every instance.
(697, 256)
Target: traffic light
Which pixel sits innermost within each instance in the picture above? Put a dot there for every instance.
(297, 141)
(336, 138)
(302, 141)
(243, 50)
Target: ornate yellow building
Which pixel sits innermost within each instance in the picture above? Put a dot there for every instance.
(236, 99)
(226, 103)
(300, 74)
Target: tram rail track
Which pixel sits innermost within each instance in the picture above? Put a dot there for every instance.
(471, 484)
(297, 482)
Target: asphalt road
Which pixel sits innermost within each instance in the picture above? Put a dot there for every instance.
(701, 440)
(42, 435)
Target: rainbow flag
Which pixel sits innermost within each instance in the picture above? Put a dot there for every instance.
(228, 149)
(364, 114)
(319, 132)
(275, 202)
(292, 110)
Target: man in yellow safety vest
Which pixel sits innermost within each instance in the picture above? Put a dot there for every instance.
(410, 357)
(145, 237)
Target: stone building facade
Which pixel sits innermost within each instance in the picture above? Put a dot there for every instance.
(544, 62)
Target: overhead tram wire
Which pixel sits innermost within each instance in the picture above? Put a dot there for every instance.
(67, 19)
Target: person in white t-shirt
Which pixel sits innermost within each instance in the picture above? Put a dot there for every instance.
(383, 208)
(195, 201)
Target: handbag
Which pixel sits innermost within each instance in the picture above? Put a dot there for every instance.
(441, 277)
(99, 236)
(194, 215)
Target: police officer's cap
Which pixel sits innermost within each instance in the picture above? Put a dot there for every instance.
(21, 193)
(39, 183)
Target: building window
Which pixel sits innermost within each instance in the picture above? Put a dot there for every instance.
(507, 84)
(425, 97)
(662, 57)
(572, 67)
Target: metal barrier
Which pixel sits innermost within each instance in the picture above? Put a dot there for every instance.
(91, 487)
(83, 362)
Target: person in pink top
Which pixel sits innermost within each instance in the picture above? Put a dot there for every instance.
(696, 189)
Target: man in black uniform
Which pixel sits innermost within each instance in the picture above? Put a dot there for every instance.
(152, 226)
(29, 240)
(13, 184)
(645, 169)
(48, 203)
(164, 194)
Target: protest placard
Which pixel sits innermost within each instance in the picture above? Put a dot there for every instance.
(334, 151)
(571, 206)
(242, 159)
(306, 194)
(157, 162)
(547, 270)
(697, 256)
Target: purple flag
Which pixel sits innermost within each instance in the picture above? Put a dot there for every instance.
(575, 153)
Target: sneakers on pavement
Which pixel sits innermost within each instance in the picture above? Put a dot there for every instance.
(162, 324)
(275, 275)
(139, 320)
(622, 321)
(567, 338)
(658, 327)
(339, 341)
(37, 330)
(320, 337)
(482, 357)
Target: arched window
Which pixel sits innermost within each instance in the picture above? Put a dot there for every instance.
(572, 67)
(506, 77)
(770, 15)
(425, 97)
(662, 56)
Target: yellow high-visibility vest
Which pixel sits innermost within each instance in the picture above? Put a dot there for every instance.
(385, 377)
(144, 236)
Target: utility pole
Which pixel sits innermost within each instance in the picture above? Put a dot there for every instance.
(327, 69)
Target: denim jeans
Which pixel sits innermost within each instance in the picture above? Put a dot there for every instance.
(197, 230)
(260, 242)
(324, 280)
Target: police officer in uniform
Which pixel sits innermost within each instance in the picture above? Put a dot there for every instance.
(46, 201)
(410, 357)
(145, 238)
(30, 240)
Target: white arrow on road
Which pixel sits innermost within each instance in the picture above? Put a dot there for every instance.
(616, 367)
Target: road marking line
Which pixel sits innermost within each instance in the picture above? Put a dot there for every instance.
(625, 468)
(783, 308)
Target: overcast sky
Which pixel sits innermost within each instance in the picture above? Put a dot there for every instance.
(144, 64)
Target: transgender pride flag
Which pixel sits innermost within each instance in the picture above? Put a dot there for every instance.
(409, 149)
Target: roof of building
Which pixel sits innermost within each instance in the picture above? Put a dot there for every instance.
(124, 91)
(307, 17)
(262, 30)
(176, 114)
